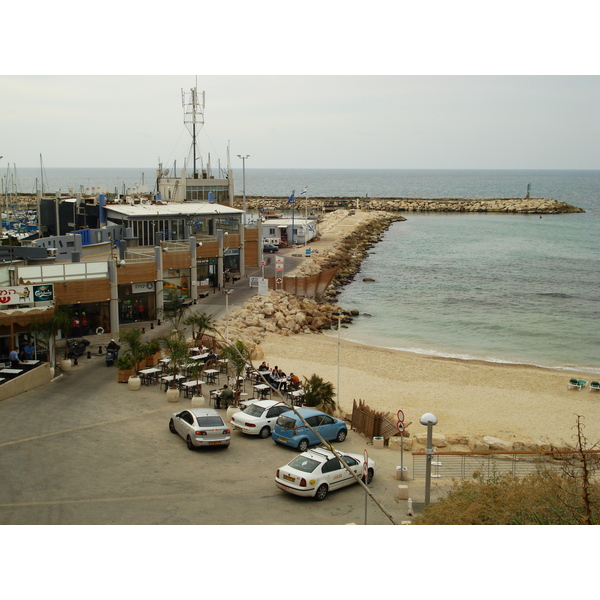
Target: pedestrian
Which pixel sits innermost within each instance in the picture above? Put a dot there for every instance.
(29, 351)
(13, 356)
(226, 396)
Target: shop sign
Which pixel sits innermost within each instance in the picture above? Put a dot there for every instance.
(142, 288)
(26, 294)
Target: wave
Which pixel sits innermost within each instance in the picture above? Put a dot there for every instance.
(472, 358)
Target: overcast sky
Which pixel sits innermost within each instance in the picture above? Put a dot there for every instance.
(449, 122)
(402, 111)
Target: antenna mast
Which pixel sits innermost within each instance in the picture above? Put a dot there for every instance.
(193, 115)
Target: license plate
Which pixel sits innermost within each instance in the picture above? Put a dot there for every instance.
(289, 478)
(214, 443)
(284, 440)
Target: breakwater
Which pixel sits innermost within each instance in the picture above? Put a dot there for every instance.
(468, 205)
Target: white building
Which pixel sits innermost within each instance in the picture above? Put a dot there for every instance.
(288, 231)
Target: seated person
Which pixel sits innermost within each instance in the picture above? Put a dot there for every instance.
(264, 366)
(294, 382)
(226, 397)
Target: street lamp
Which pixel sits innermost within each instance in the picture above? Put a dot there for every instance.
(339, 317)
(244, 182)
(429, 420)
(227, 292)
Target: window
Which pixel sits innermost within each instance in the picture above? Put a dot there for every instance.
(326, 420)
(331, 465)
(351, 462)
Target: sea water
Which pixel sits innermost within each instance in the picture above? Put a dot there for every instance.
(495, 287)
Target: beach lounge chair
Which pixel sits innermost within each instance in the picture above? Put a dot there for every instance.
(576, 383)
(595, 385)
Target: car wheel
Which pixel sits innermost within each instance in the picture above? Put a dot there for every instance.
(189, 443)
(172, 427)
(265, 432)
(369, 477)
(321, 492)
(303, 445)
(341, 436)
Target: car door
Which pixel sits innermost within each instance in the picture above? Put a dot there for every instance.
(272, 414)
(314, 422)
(327, 427)
(333, 471)
(356, 468)
(183, 423)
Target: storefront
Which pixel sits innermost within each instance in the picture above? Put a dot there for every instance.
(87, 319)
(137, 302)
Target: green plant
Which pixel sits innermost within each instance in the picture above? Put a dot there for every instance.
(137, 349)
(178, 350)
(173, 308)
(238, 355)
(201, 321)
(124, 362)
(59, 321)
(318, 392)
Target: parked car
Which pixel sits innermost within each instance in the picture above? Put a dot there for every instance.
(270, 248)
(200, 427)
(317, 471)
(291, 431)
(259, 417)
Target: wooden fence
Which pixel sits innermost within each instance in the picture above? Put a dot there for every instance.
(372, 423)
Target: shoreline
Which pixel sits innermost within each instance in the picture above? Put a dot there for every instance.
(513, 402)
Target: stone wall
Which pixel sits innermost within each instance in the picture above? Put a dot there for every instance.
(497, 205)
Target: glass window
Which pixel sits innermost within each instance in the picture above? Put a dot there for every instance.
(331, 465)
(211, 421)
(304, 464)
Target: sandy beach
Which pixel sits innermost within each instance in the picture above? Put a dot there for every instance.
(510, 402)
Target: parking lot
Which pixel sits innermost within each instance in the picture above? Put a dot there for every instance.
(87, 450)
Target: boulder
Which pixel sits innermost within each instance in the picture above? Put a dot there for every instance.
(496, 443)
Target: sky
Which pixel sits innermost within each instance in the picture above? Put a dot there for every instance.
(295, 121)
(388, 86)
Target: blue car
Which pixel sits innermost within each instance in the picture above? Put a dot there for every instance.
(291, 431)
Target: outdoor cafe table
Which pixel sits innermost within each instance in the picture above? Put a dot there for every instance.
(297, 397)
(11, 372)
(212, 375)
(29, 364)
(263, 389)
(189, 387)
(150, 374)
(198, 357)
(167, 379)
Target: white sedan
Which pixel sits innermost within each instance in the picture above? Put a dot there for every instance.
(317, 471)
(259, 417)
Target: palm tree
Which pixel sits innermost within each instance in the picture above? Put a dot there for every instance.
(318, 392)
(60, 321)
(178, 351)
(173, 308)
(201, 321)
(137, 349)
(238, 355)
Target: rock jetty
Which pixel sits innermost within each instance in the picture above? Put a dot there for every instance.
(470, 205)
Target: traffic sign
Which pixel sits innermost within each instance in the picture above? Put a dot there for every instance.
(400, 426)
(401, 416)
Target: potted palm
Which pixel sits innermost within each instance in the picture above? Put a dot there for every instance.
(59, 322)
(178, 351)
(238, 355)
(125, 368)
(137, 350)
(202, 322)
(319, 393)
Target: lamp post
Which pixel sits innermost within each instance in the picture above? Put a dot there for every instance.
(227, 292)
(429, 420)
(339, 318)
(244, 182)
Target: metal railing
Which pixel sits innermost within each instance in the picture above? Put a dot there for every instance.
(459, 465)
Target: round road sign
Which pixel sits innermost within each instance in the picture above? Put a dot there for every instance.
(400, 427)
(401, 416)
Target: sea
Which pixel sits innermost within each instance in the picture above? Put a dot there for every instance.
(495, 287)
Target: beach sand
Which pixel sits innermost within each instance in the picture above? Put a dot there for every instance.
(515, 403)
(510, 402)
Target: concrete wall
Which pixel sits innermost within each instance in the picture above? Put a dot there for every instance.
(35, 378)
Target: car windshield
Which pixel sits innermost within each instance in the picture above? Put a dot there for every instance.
(304, 464)
(254, 411)
(286, 422)
(210, 421)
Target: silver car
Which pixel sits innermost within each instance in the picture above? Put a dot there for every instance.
(200, 427)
